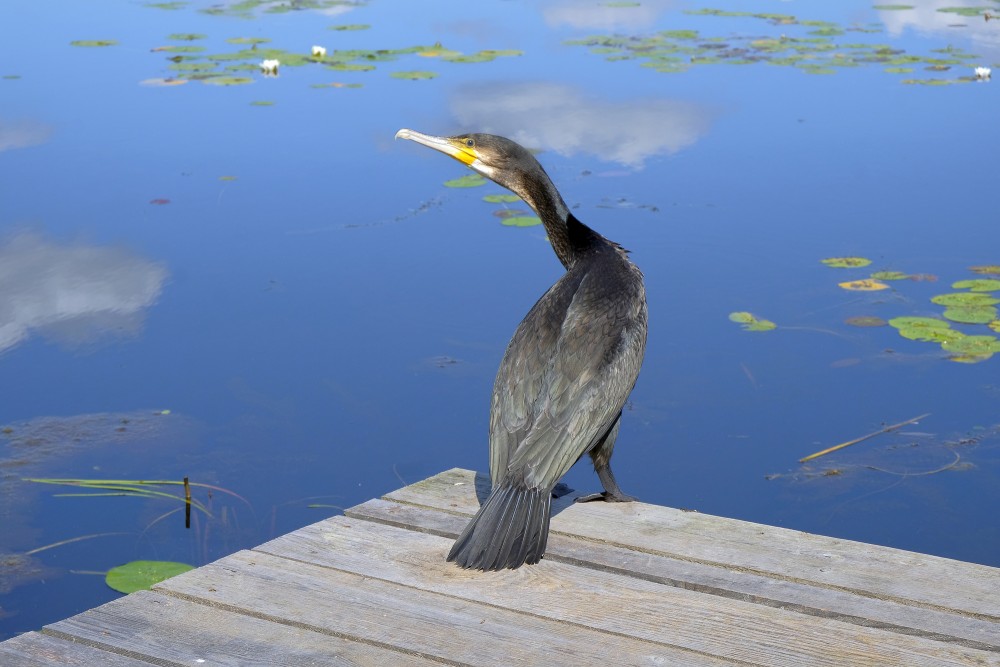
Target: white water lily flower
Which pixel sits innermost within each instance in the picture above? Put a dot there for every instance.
(983, 72)
(270, 66)
(319, 52)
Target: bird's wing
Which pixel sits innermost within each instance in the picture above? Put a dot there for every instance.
(564, 378)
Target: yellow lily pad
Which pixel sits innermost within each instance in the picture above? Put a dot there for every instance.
(866, 285)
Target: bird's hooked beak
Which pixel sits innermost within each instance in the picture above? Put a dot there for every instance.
(456, 147)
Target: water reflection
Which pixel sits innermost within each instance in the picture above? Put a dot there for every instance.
(562, 118)
(926, 17)
(22, 133)
(72, 293)
(604, 16)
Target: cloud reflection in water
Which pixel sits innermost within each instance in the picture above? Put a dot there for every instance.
(72, 293)
(22, 133)
(559, 117)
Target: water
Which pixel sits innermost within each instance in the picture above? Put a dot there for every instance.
(322, 318)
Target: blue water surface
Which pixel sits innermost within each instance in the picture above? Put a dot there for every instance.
(281, 301)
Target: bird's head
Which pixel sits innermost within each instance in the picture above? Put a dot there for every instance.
(497, 158)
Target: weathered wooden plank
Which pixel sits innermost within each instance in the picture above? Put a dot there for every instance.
(167, 630)
(871, 571)
(37, 650)
(416, 621)
(671, 616)
(715, 580)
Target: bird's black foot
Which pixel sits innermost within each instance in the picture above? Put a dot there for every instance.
(618, 497)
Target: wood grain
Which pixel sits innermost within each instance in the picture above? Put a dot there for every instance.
(620, 605)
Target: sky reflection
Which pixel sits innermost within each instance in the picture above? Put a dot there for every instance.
(562, 118)
(73, 293)
(22, 133)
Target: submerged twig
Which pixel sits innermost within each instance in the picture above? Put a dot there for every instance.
(71, 540)
(958, 458)
(886, 429)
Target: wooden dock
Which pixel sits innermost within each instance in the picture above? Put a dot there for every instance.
(621, 584)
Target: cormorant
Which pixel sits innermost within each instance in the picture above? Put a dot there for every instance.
(566, 373)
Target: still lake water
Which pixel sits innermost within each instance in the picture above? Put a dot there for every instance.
(254, 286)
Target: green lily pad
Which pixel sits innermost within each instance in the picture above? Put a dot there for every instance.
(994, 326)
(924, 329)
(971, 314)
(227, 80)
(846, 262)
(973, 346)
(350, 67)
(176, 48)
(186, 36)
(248, 40)
(501, 199)
(978, 285)
(414, 75)
(141, 575)
(751, 322)
(467, 181)
(931, 82)
(93, 43)
(350, 27)
(965, 299)
(262, 103)
(965, 11)
(890, 275)
(521, 221)
(866, 321)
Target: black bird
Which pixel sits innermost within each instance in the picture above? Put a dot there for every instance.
(566, 373)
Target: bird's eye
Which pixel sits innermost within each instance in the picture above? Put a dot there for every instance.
(470, 142)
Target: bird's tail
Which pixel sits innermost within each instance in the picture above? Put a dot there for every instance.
(510, 529)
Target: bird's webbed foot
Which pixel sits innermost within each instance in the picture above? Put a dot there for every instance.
(607, 497)
(612, 492)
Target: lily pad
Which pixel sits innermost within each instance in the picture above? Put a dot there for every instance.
(866, 285)
(227, 80)
(350, 27)
(973, 345)
(994, 326)
(501, 199)
(924, 329)
(521, 221)
(965, 299)
(751, 322)
(140, 575)
(93, 43)
(890, 275)
(467, 181)
(978, 285)
(414, 75)
(866, 321)
(248, 40)
(989, 270)
(186, 36)
(971, 314)
(965, 11)
(846, 262)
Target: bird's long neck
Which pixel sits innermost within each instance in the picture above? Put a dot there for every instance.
(568, 236)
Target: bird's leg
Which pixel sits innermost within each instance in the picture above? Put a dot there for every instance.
(601, 456)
